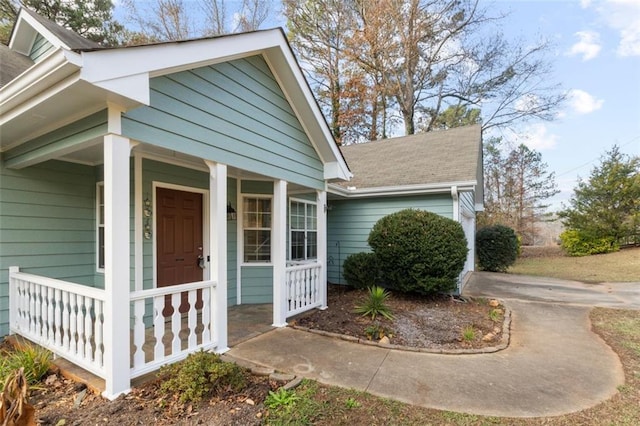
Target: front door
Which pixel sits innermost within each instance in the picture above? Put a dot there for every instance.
(179, 241)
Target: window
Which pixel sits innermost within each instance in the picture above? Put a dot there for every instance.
(100, 225)
(256, 220)
(303, 237)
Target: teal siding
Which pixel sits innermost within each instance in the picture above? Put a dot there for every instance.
(40, 48)
(66, 137)
(350, 221)
(232, 246)
(257, 284)
(47, 225)
(467, 203)
(234, 113)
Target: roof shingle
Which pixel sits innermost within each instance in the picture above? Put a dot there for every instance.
(442, 156)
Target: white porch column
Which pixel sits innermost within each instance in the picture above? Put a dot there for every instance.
(321, 212)
(116, 268)
(279, 252)
(218, 251)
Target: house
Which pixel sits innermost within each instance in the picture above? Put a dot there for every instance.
(144, 190)
(439, 171)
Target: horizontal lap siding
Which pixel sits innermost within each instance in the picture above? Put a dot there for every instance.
(40, 48)
(257, 284)
(81, 131)
(47, 225)
(234, 113)
(349, 223)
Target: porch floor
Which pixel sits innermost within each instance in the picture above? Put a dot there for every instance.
(243, 323)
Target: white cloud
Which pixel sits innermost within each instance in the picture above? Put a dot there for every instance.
(588, 45)
(535, 136)
(527, 102)
(583, 102)
(585, 3)
(623, 16)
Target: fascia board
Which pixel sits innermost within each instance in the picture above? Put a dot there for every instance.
(168, 58)
(55, 68)
(389, 191)
(38, 27)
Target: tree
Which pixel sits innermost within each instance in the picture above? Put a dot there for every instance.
(456, 116)
(166, 20)
(516, 185)
(420, 57)
(92, 19)
(607, 205)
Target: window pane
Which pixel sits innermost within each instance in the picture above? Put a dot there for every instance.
(101, 247)
(311, 217)
(297, 245)
(312, 245)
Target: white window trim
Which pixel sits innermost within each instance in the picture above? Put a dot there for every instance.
(99, 186)
(290, 230)
(242, 228)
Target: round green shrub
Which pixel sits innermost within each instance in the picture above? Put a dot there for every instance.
(419, 251)
(580, 243)
(497, 248)
(361, 270)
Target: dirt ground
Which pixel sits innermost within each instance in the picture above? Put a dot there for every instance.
(435, 322)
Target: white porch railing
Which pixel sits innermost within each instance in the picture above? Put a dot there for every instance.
(163, 338)
(63, 317)
(303, 287)
(68, 319)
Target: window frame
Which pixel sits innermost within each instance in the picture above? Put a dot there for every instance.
(100, 226)
(305, 231)
(244, 228)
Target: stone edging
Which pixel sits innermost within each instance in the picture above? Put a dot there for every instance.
(504, 340)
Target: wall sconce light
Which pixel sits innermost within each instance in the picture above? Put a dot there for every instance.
(231, 212)
(146, 212)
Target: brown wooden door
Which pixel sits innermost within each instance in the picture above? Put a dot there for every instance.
(179, 241)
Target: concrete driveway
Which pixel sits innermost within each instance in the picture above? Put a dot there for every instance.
(540, 289)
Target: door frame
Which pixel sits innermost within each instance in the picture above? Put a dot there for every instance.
(206, 273)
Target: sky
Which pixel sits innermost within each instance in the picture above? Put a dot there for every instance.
(597, 62)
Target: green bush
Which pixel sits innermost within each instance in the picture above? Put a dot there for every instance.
(578, 243)
(497, 248)
(361, 270)
(419, 251)
(200, 374)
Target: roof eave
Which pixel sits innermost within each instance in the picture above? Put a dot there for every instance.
(390, 191)
(56, 67)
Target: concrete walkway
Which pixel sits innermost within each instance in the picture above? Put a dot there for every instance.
(554, 365)
(523, 287)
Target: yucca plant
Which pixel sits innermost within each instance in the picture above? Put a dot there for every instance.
(375, 305)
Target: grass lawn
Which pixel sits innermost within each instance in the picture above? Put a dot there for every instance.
(622, 266)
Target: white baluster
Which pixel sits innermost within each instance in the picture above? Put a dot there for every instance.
(50, 321)
(70, 311)
(57, 319)
(138, 332)
(158, 327)
(193, 341)
(99, 354)
(176, 299)
(88, 328)
(38, 312)
(206, 315)
(32, 308)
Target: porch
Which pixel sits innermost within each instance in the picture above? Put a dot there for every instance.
(69, 320)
